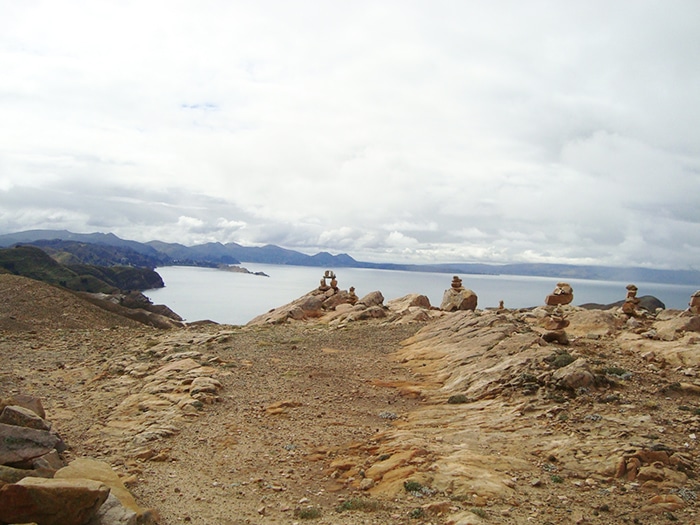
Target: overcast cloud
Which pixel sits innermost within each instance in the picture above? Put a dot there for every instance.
(441, 131)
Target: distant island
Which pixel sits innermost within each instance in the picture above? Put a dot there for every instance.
(106, 249)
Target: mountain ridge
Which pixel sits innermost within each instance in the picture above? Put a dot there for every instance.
(215, 253)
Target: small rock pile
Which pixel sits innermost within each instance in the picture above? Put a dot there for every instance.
(562, 294)
(36, 485)
(457, 297)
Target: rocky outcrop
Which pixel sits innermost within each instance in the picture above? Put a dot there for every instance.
(458, 298)
(51, 501)
(36, 485)
(520, 410)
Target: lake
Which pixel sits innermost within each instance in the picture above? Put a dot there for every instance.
(236, 298)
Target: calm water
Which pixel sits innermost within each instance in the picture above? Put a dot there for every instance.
(236, 298)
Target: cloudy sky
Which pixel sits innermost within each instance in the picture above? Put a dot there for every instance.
(418, 131)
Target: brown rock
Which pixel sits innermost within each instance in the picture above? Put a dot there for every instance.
(574, 375)
(51, 501)
(23, 417)
(29, 402)
(562, 294)
(372, 299)
(694, 305)
(19, 444)
(99, 471)
(463, 299)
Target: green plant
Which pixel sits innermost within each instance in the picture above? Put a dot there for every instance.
(614, 371)
(457, 399)
(363, 504)
(556, 479)
(307, 513)
(561, 360)
(412, 486)
(416, 513)
(479, 512)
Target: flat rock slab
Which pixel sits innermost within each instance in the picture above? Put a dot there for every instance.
(19, 444)
(51, 501)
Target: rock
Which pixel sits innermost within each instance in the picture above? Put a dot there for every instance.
(51, 501)
(556, 336)
(13, 475)
(408, 301)
(113, 512)
(366, 484)
(672, 329)
(99, 471)
(372, 299)
(562, 294)
(694, 304)
(23, 417)
(453, 300)
(29, 402)
(18, 444)
(574, 375)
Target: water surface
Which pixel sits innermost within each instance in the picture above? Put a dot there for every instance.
(236, 298)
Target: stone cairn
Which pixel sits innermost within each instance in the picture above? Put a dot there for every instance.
(694, 305)
(629, 307)
(36, 485)
(562, 294)
(324, 286)
(457, 297)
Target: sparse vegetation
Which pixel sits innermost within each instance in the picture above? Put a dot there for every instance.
(412, 486)
(363, 504)
(562, 359)
(458, 399)
(307, 513)
(479, 512)
(614, 371)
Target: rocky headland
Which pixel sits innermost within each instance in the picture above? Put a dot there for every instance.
(345, 409)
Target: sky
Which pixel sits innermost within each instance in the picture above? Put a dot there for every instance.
(395, 131)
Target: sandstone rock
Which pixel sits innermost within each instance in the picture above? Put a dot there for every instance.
(674, 328)
(575, 375)
(556, 336)
(19, 444)
(113, 512)
(372, 299)
(51, 501)
(694, 304)
(99, 471)
(463, 299)
(13, 475)
(407, 301)
(562, 294)
(23, 417)
(29, 402)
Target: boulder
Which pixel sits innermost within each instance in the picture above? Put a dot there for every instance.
(112, 512)
(458, 299)
(23, 417)
(51, 501)
(408, 301)
(29, 402)
(562, 294)
(99, 471)
(372, 299)
(18, 444)
(575, 375)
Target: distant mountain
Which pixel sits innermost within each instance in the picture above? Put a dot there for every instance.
(35, 263)
(213, 254)
(81, 252)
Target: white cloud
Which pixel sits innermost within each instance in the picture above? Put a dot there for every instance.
(456, 131)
